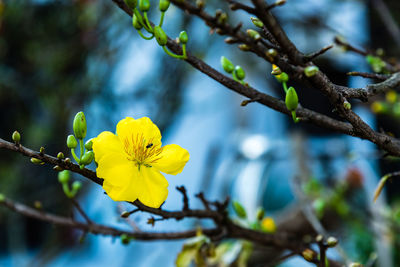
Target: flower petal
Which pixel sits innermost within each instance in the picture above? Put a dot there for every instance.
(106, 143)
(153, 187)
(120, 177)
(172, 159)
(129, 127)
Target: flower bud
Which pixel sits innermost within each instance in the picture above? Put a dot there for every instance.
(160, 35)
(260, 214)
(164, 5)
(240, 74)
(16, 137)
(331, 242)
(276, 70)
(63, 176)
(57, 168)
(239, 209)
(311, 71)
(222, 18)
(258, 23)
(67, 160)
(87, 158)
(227, 65)
(291, 99)
(71, 141)
(282, 78)
(135, 22)
(183, 37)
(131, 3)
(76, 186)
(253, 34)
(89, 144)
(79, 125)
(37, 205)
(41, 150)
(37, 161)
(268, 225)
(391, 96)
(60, 155)
(144, 5)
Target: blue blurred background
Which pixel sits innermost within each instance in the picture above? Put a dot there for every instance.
(60, 57)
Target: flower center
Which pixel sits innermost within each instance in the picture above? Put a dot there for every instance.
(142, 151)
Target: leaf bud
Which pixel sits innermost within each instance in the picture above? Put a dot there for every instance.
(60, 155)
(280, 2)
(37, 161)
(67, 160)
(227, 65)
(260, 214)
(268, 225)
(291, 99)
(89, 144)
(308, 255)
(240, 73)
(200, 4)
(63, 176)
(57, 168)
(244, 47)
(239, 209)
(135, 22)
(37, 205)
(347, 105)
(272, 52)
(2, 198)
(125, 239)
(183, 37)
(79, 125)
(41, 150)
(311, 71)
(331, 242)
(144, 5)
(71, 141)
(131, 3)
(222, 18)
(16, 137)
(253, 34)
(164, 5)
(125, 214)
(87, 158)
(160, 35)
(257, 22)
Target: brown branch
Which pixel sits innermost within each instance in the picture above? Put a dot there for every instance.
(312, 56)
(368, 75)
(185, 200)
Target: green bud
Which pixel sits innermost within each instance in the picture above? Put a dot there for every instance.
(144, 5)
(125, 239)
(80, 125)
(89, 144)
(71, 141)
(258, 23)
(63, 176)
(260, 214)
(37, 161)
(2, 198)
(160, 35)
(41, 150)
(311, 71)
(347, 105)
(60, 155)
(183, 37)
(16, 137)
(37, 205)
(199, 3)
(76, 186)
(131, 3)
(291, 99)
(283, 77)
(227, 65)
(164, 5)
(222, 18)
(135, 22)
(87, 158)
(239, 209)
(331, 242)
(253, 34)
(240, 74)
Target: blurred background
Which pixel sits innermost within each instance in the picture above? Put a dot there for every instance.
(61, 57)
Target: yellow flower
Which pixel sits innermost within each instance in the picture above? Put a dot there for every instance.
(268, 225)
(130, 162)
